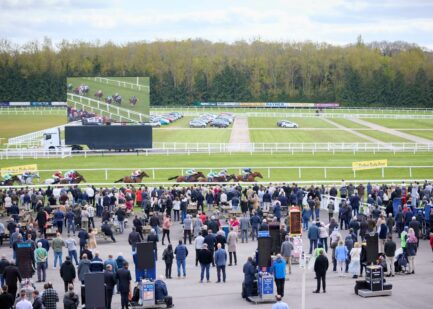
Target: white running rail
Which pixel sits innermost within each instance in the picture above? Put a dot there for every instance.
(119, 83)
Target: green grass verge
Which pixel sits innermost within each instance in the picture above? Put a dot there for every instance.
(263, 122)
(348, 123)
(239, 160)
(14, 125)
(424, 134)
(196, 135)
(299, 136)
(403, 123)
(384, 137)
(143, 96)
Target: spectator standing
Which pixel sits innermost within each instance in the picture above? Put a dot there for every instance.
(220, 262)
(320, 268)
(83, 235)
(41, 256)
(58, 245)
(110, 283)
(198, 245)
(70, 221)
(92, 239)
(11, 275)
(249, 271)
(279, 270)
(355, 260)
(134, 238)
(168, 257)
(181, 253)
(6, 299)
(255, 224)
(3, 263)
(341, 256)
(83, 267)
(279, 304)
(244, 224)
(205, 259)
(50, 298)
(232, 240)
(166, 225)
(123, 277)
(71, 245)
(187, 229)
(67, 272)
(37, 300)
(412, 243)
(390, 248)
(70, 299)
(286, 252)
(23, 302)
(91, 211)
(313, 236)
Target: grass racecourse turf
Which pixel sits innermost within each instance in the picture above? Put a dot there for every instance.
(108, 89)
(129, 162)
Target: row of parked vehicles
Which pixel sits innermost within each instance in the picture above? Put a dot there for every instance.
(222, 120)
(164, 119)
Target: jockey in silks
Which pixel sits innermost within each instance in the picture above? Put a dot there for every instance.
(26, 175)
(70, 175)
(57, 176)
(245, 172)
(223, 173)
(136, 173)
(211, 175)
(189, 173)
(7, 176)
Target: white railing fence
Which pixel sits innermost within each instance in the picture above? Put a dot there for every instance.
(33, 111)
(268, 172)
(109, 110)
(119, 83)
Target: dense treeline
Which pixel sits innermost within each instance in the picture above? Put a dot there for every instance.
(181, 72)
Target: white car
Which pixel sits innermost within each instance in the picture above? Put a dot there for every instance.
(287, 124)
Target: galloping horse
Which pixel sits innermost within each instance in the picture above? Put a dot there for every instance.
(99, 94)
(29, 178)
(251, 177)
(130, 179)
(193, 178)
(10, 182)
(223, 178)
(77, 179)
(133, 100)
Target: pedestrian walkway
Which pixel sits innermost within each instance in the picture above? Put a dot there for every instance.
(240, 136)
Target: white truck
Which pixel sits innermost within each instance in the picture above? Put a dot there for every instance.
(52, 140)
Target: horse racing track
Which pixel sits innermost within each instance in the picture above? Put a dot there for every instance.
(322, 148)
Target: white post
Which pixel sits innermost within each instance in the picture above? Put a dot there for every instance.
(153, 170)
(299, 173)
(106, 174)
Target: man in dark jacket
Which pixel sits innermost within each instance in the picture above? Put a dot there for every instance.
(320, 268)
(3, 264)
(83, 236)
(134, 238)
(390, 248)
(11, 275)
(67, 272)
(205, 257)
(210, 240)
(313, 236)
(123, 276)
(110, 282)
(153, 238)
(138, 226)
(255, 224)
(6, 299)
(249, 276)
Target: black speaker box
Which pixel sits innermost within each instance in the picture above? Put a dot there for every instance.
(145, 258)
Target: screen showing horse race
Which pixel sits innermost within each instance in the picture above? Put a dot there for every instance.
(121, 99)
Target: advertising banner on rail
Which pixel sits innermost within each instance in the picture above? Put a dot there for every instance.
(31, 104)
(267, 104)
(367, 165)
(18, 170)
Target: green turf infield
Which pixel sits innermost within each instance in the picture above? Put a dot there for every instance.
(14, 125)
(193, 135)
(300, 136)
(403, 123)
(425, 134)
(263, 122)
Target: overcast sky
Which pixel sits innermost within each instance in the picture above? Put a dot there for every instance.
(332, 21)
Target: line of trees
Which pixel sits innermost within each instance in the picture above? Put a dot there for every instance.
(181, 72)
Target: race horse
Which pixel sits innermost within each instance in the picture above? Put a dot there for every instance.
(29, 179)
(117, 98)
(222, 178)
(10, 182)
(250, 178)
(133, 100)
(76, 179)
(193, 178)
(81, 90)
(99, 94)
(131, 179)
(108, 100)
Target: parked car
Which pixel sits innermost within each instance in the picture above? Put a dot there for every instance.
(197, 124)
(219, 124)
(287, 124)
